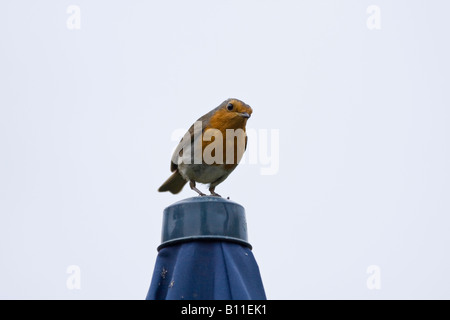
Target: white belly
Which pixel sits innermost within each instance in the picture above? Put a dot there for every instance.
(202, 173)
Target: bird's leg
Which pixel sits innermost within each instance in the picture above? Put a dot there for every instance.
(211, 189)
(192, 185)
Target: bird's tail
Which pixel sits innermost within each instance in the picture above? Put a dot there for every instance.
(174, 184)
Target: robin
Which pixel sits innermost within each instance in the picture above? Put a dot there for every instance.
(218, 140)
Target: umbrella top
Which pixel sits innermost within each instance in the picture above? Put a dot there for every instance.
(205, 199)
(204, 218)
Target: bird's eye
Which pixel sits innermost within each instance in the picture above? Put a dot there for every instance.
(230, 106)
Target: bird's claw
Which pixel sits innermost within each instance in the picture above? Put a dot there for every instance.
(215, 195)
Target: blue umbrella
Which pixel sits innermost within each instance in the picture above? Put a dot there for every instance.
(204, 253)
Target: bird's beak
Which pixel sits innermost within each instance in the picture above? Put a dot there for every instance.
(245, 115)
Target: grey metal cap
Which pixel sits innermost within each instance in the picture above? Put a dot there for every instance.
(204, 218)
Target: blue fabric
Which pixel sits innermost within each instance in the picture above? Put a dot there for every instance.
(202, 270)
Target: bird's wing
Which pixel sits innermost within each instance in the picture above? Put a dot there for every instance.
(185, 140)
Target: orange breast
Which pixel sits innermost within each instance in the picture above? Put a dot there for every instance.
(233, 141)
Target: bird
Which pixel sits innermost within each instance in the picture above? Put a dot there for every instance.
(221, 136)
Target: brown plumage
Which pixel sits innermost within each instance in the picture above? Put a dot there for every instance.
(230, 114)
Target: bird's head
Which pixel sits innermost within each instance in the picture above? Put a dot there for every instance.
(232, 114)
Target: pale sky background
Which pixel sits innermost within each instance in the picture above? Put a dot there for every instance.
(363, 116)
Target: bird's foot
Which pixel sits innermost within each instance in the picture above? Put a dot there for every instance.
(192, 185)
(213, 193)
